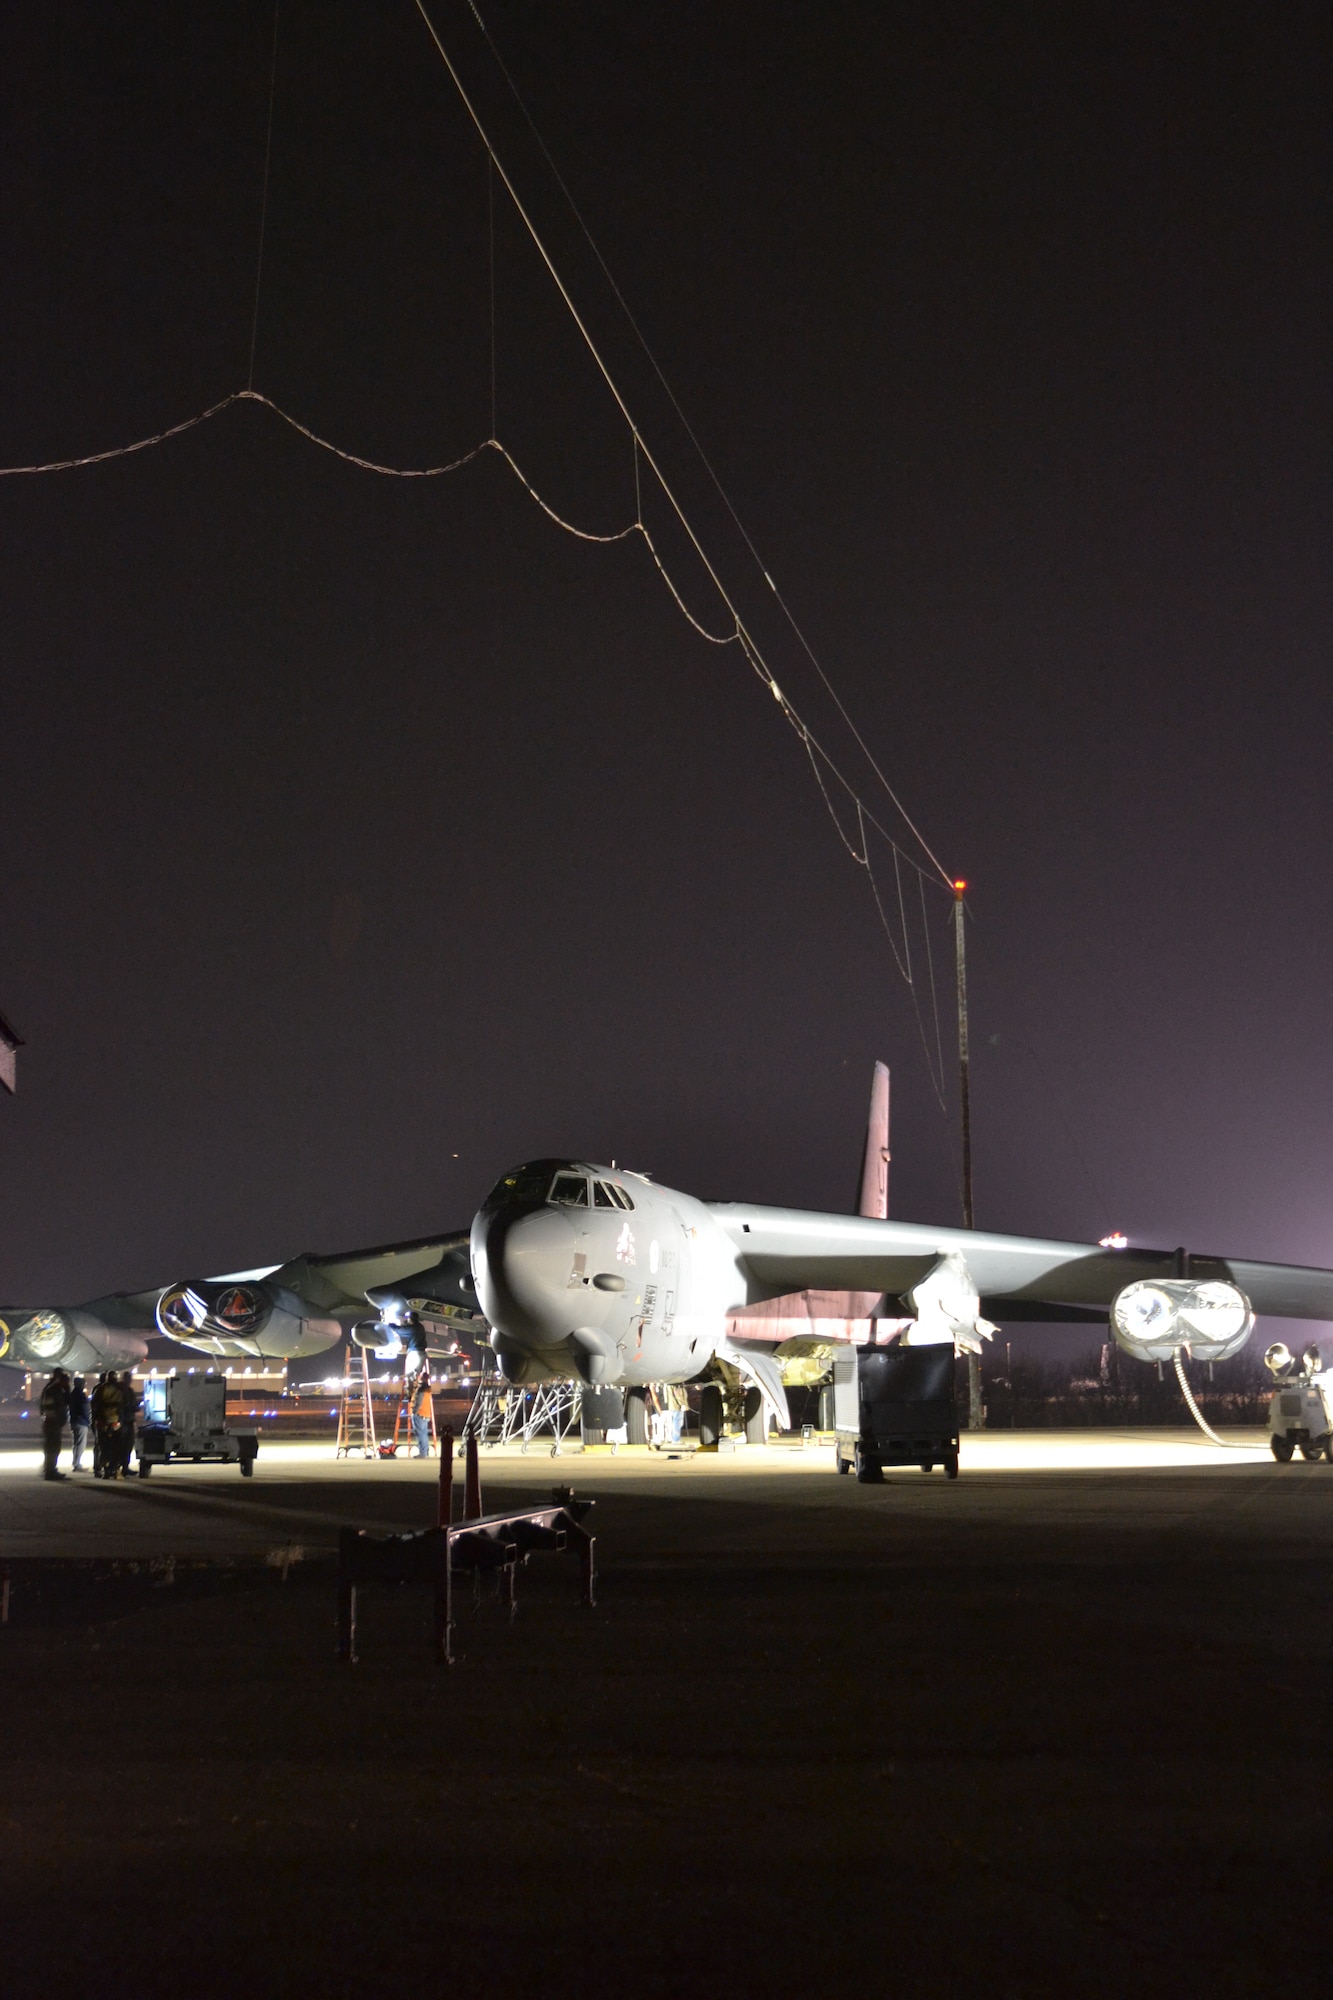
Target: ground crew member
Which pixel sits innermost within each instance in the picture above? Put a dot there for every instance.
(129, 1409)
(80, 1417)
(106, 1426)
(422, 1407)
(54, 1408)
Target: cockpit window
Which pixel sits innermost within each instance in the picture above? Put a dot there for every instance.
(622, 1197)
(602, 1196)
(572, 1189)
(524, 1184)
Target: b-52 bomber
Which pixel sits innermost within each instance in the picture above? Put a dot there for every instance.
(573, 1269)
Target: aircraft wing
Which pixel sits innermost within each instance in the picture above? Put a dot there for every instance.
(280, 1311)
(791, 1250)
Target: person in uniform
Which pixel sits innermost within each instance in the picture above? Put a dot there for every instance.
(129, 1410)
(106, 1426)
(54, 1408)
(80, 1417)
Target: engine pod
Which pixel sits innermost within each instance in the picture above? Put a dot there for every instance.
(1154, 1319)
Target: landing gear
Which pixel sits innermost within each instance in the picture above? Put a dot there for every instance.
(756, 1419)
(636, 1417)
(711, 1414)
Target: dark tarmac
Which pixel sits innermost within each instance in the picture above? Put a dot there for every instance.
(1039, 1731)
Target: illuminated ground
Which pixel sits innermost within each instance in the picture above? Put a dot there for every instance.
(1056, 1727)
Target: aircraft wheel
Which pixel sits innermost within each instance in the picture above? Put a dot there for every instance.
(756, 1421)
(1282, 1448)
(636, 1417)
(711, 1413)
(869, 1471)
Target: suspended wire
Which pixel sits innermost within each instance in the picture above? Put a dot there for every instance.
(821, 762)
(692, 435)
(898, 958)
(584, 534)
(140, 444)
(490, 231)
(263, 206)
(749, 644)
(930, 962)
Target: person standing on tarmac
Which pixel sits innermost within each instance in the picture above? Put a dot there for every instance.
(80, 1417)
(421, 1407)
(129, 1410)
(106, 1426)
(54, 1409)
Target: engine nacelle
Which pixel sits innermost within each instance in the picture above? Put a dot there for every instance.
(245, 1320)
(1155, 1319)
(74, 1337)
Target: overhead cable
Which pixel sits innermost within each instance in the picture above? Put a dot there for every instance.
(692, 435)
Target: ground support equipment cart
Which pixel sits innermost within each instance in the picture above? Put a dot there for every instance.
(895, 1405)
(1300, 1417)
(185, 1416)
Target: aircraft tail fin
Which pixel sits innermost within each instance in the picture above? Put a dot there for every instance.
(874, 1197)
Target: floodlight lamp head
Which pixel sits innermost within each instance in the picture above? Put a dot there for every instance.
(1277, 1359)
(1312, 1360)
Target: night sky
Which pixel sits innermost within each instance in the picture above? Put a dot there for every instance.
(361, 837)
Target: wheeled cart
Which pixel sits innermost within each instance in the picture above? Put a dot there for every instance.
(1300, 1417)
(895, 1406)
(185, 1416)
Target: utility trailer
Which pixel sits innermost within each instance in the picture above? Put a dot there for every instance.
(894, 1406)
(185, 1416)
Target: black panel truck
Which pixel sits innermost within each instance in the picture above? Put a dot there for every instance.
(895, 1405)
(185, 1416)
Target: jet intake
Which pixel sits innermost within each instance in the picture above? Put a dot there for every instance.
(254, 1320)
(73, 1339)
(1155, 1319)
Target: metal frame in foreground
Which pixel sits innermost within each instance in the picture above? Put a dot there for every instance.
(494, 1542)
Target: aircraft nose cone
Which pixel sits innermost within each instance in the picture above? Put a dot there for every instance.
(521, 1263)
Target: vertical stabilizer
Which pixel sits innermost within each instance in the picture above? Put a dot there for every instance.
(875, 1165)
